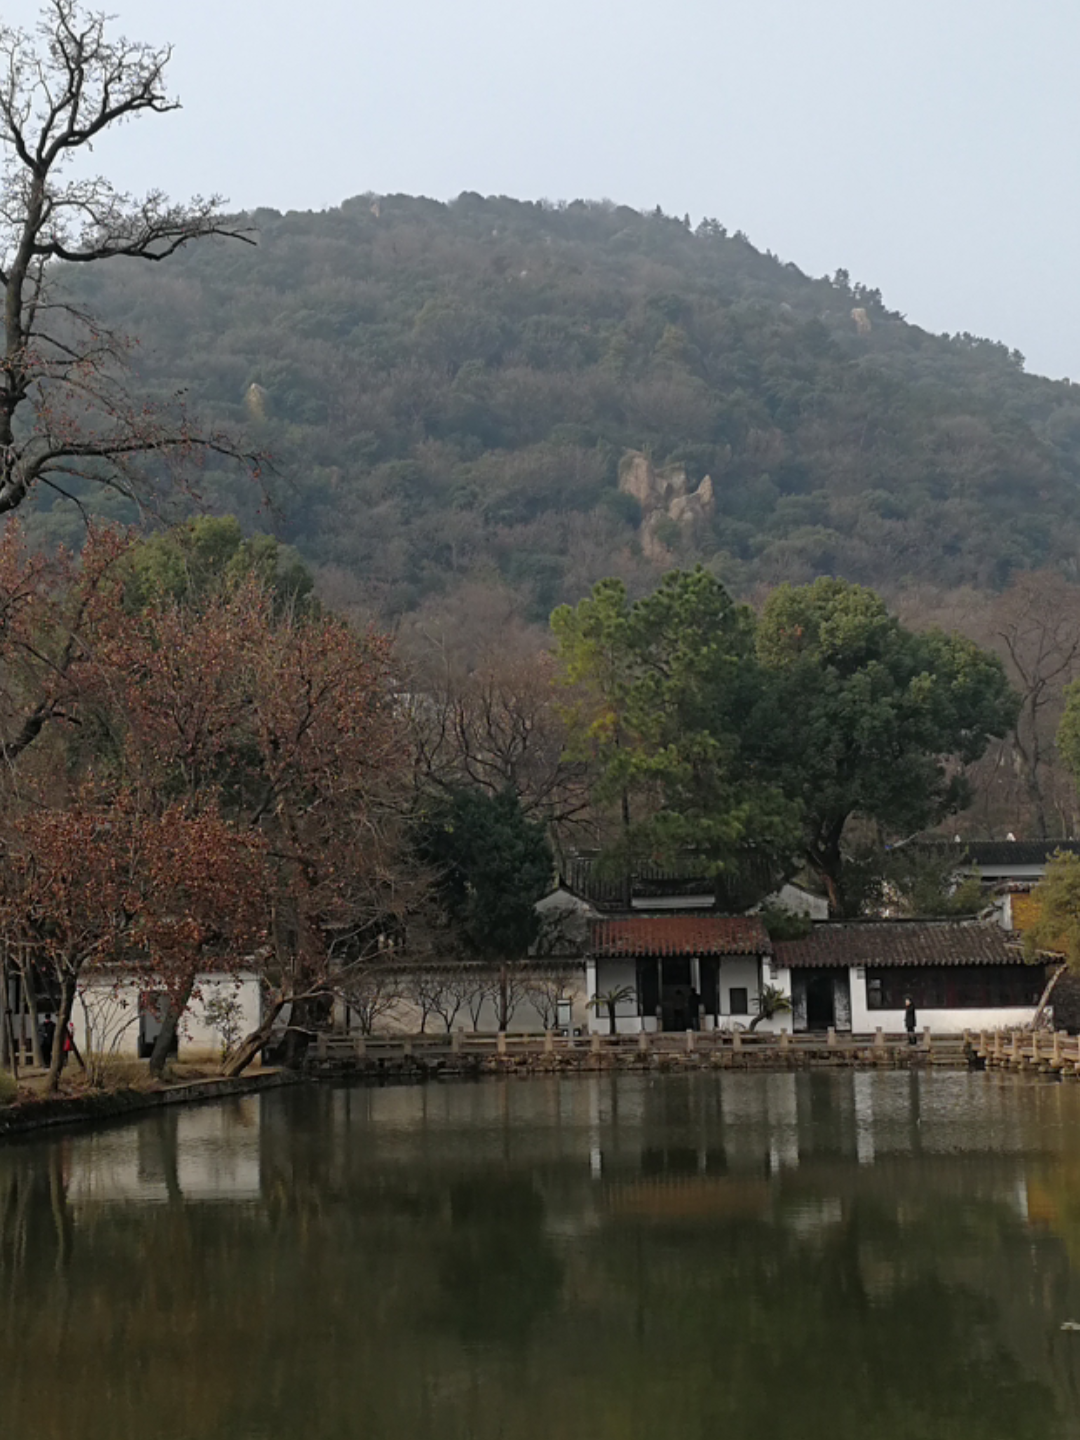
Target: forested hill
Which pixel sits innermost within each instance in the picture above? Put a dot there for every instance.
(449, 390)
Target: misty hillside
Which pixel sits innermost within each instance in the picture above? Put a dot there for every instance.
(455, 390)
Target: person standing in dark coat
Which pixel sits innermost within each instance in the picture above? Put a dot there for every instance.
(48, 1032)
(910, 1019)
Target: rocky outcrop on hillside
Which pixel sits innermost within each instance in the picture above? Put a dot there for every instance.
(667, 499)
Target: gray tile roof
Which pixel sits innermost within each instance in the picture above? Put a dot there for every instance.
(900, 942)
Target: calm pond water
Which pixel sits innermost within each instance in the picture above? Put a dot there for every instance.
(811, 1256)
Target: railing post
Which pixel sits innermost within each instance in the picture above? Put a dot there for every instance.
(926, 1037)
(320, 1045)
(830, 1037)
(879, 1038)
(643, 1040)
(1055, 1054)
(455, 1041)
(689, 1042)
(736, 1039)
(406, 1046)
(500, 1043)
(361, 1047)
(594, 1042)
(785, 1040)
(549, 1043)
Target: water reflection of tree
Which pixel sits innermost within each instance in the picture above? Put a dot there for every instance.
(399, 1282)
(855, 1327)
(498, 1273)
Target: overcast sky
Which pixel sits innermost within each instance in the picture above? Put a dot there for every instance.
(927, 146)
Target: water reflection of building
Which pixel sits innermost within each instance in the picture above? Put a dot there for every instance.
(731, 1143)
(205, 1153)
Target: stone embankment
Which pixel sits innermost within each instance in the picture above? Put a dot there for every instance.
(98, 1106)
(1040, 1052)
(465, 1054)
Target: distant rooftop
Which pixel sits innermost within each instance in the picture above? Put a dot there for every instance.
(686, 875)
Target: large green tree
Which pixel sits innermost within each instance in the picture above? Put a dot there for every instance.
(665, 691)
(491, 864)
(868, 719)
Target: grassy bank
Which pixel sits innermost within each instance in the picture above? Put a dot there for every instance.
(124, 1089)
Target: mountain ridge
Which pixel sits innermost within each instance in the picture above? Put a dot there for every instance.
(448, 391)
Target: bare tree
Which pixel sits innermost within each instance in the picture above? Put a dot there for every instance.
(478, 992)
(442, 991)
(1036, 625)
(499, 726)
(66, 407)
(546, 989)
(372, 993)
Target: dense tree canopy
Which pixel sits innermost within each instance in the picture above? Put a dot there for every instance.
(730, 735)
(665, 691)
(490, 864)
(870, 719)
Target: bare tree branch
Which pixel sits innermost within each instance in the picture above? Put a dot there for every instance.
(66, 406)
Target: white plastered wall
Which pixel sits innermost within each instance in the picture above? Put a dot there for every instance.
(735, 971)
(106, 1015)
(781, 979)
(613, 975)
(865, 1021)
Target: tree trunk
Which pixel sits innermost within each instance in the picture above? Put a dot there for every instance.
(826, 858)
(8, 1047)
(504, 998)
(1046, 996)
(1029, 765)
(5, 1014)
(611, 1019)
(63, 1020)
(628, 876)
(833, 890)
(250, 1046)
(32, 1010)
(308, 1016)
(167, 1034)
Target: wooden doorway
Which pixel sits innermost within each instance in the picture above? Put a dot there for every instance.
(678, 1002)
(820, 1001)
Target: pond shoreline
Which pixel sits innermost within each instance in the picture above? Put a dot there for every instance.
(402, 1064)
(101, 1106)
